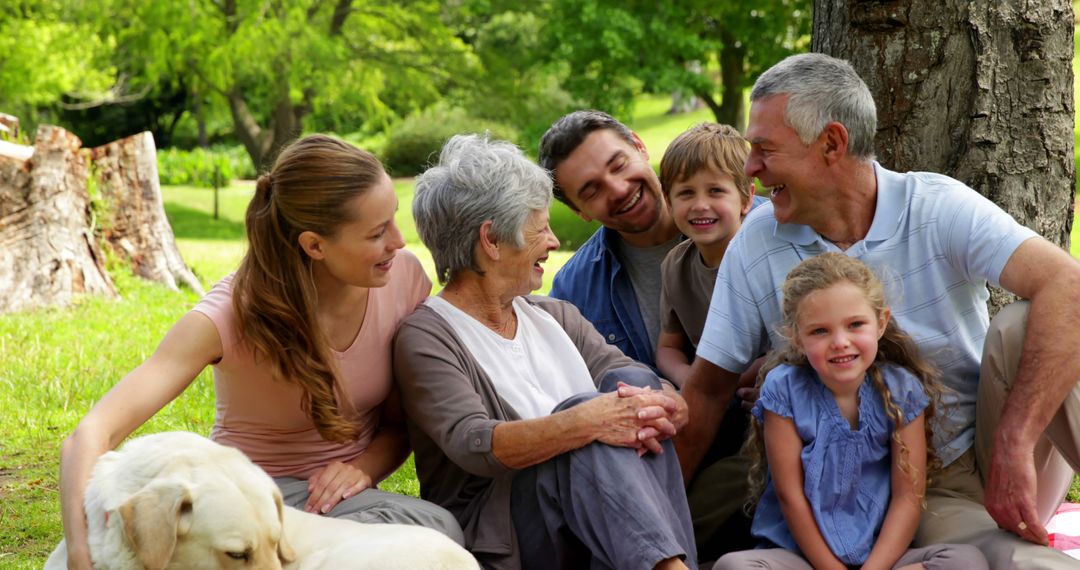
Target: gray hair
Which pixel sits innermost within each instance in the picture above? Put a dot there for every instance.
(822, 89)
(477, 179)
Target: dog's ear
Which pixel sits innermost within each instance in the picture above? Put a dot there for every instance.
(153, 519)
(285, 551)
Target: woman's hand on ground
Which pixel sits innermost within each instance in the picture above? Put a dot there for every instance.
(333, 484)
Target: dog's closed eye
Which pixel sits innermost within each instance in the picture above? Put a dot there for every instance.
(244, 556)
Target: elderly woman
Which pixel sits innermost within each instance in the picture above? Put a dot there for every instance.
(510, 431)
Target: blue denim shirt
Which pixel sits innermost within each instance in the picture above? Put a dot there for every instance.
(594, 281)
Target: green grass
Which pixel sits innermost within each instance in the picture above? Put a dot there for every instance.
(55, 363)
(657, 129)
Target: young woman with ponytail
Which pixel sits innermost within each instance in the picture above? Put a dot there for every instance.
(299, 338)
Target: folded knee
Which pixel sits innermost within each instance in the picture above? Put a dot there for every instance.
(632, 375)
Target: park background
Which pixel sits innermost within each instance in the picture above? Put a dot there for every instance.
(222, 84)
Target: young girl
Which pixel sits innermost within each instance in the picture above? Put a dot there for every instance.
(842, 421)
(299, 339)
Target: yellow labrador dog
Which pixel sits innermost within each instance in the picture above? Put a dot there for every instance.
(178, 500)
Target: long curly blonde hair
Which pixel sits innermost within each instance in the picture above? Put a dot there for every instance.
(895, 346)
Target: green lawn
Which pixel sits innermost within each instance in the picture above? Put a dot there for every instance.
(55, 363)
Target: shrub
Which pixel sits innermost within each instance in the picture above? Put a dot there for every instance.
(198, 166)
(415, 142)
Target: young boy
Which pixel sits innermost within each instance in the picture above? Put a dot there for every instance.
(703, 180)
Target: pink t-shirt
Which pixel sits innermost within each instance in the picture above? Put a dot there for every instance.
(263, 418)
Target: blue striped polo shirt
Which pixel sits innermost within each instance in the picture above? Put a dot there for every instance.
(934, 242)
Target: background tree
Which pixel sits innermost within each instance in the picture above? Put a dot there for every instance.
(712, 49)
(274, 64)
(520, 85)
(980, 90)
(47, 53)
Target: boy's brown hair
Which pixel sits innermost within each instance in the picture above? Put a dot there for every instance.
(706, 145)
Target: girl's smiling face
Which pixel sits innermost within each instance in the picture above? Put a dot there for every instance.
(838, 331)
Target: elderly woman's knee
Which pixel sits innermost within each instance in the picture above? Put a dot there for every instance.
(632, 375)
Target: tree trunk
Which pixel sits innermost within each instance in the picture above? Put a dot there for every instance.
(48, 253)
(732, 70)
(255, 141)
(729, 109)
(135, 224)
(980, 90)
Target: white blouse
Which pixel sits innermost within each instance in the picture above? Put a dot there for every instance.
(532, 372)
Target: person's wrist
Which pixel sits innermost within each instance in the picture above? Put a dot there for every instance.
(582, 421)
(1012, 441)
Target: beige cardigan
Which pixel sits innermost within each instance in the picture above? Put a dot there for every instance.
(452, 411)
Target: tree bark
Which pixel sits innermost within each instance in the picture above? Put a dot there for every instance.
(732, 72)
(9, 127)
(980, 90)
(728, 110)
(134, 223)
(48, 252)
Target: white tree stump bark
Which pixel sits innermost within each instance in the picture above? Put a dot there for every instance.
(134, 222)
(48, 253)
(9, 126)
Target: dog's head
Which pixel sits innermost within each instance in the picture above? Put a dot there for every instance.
(216, 519)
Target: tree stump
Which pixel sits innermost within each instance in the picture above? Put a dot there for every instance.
(48, 253)
(9, 127)
(134, 223)
(18, 152)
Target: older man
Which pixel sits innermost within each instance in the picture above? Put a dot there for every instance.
(811, 129)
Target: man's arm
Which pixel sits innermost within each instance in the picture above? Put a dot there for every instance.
(1048, 370)
(708, 391)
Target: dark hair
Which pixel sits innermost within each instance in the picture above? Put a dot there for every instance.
(274, 297)
(566, 134)
(706, 145)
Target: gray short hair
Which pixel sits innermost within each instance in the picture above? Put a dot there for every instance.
(477, 179)
(822, 89)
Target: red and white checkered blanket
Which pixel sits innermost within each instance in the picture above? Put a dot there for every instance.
(1064, 529)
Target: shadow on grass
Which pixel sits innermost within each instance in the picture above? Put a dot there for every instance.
(196, 224)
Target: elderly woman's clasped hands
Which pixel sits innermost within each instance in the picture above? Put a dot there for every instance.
(636, 417)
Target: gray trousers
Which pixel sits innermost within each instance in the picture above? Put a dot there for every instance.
(602, 506)
(937, 557)
(378, 507)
